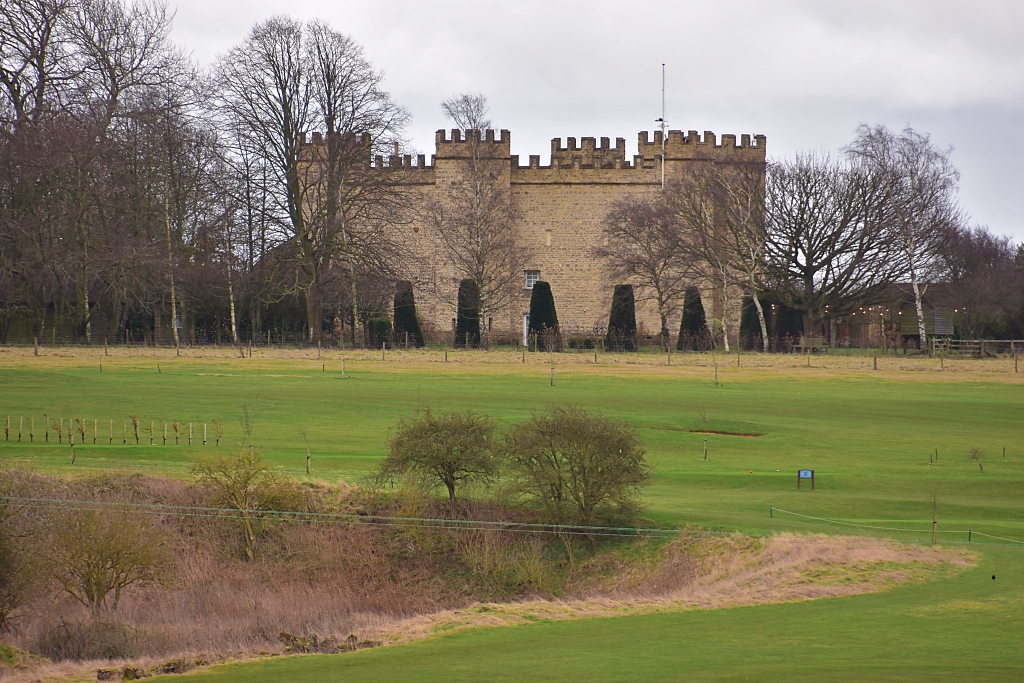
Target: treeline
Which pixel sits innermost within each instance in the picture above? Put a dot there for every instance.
(144, 198)
(135, 187)
(819, 239)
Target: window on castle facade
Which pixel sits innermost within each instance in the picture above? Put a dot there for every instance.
(531, 278)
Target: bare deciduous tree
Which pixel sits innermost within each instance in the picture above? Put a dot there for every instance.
(98, 553)
(289, 78)
(648, 246)
(919, 186)
(474, 219)
(827, 251)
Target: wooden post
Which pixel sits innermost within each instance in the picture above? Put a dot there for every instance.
(446, 354)
(406, 346)
(111, 433)
(524, 355)
(552, 377)
(21, 426)
(32, 432)
(737, 356)
(151, 425)
(342, 366)
(165, 433)
(95, 429)
(382, 345)
(874, 359)
(60, 433)
(808, 357)
(595, 356)
(35, 346)
(189, 433)
(46, 434)
(105, 350)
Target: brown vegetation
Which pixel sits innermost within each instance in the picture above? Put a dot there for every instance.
(327, 586)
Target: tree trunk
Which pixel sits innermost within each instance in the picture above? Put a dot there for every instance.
(170, 266)
(313, 313)
(451, 492)
(760, 317)
(919, 306)
(725, 310)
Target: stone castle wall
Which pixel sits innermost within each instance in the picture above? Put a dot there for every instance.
(559, 210)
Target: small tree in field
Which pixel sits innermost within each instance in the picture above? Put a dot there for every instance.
(246, 484)
(577, 465)
(97, 554)
(450, 449)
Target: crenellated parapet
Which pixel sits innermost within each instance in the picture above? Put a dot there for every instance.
(680, 147)
(475, 142)
(589, 153)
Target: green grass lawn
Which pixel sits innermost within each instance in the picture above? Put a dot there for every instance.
(867, 435)
(966, 628)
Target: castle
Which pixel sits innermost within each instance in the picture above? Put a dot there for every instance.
(558, 211)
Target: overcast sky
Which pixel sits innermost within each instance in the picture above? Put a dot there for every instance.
(804, 73)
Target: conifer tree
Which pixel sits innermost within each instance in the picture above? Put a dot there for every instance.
(406, 321)
(694, 323)
(467, 325)
(543, 318)
(622, 320)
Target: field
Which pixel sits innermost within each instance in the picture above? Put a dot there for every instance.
(871, 437)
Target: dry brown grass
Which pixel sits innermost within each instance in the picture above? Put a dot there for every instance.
(400, 584)
(297, 362)
(730, 571)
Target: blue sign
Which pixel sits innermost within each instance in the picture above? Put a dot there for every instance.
(807, 474)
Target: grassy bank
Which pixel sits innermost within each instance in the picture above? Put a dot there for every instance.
(869, 435)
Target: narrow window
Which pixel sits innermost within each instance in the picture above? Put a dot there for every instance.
(531, 278)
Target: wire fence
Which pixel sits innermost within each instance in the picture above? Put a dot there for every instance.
(454, 523)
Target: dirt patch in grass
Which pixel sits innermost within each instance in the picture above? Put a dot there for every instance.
(721, 433)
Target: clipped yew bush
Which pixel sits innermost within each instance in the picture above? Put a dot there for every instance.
(622, 320)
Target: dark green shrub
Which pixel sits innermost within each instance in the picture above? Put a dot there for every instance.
(622, 320)
(543, 318)
(693, 327)
(467, 325)
(380, 331)
(406, 321)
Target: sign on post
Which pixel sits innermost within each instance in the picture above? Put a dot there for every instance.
(805, 474)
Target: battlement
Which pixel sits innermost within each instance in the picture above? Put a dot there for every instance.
(588, 154)
(317, 138)
(475, 141)
(692, 145)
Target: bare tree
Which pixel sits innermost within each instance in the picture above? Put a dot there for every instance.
(726, 210)
(474, 218)
(700, 199)
(36, 62)
(288, 78)
(919, 185)
(468, 111)
(827, 250)
(648, 246)
(987, 277)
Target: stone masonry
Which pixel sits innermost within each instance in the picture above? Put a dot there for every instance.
(559, 211)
